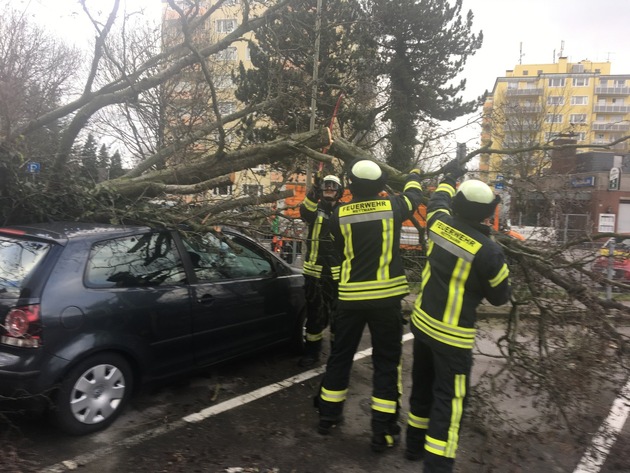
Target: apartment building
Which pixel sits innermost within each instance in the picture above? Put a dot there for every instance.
(224, 20)
(537, 103)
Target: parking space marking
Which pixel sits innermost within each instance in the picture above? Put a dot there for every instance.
(198, 416)
(606, 435)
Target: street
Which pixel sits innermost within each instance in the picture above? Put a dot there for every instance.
(256, 416)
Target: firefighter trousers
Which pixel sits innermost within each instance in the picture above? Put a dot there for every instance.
(385, 326)
(440, 378)
(321, 297)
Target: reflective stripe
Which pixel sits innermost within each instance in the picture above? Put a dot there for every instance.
(376, 294)
(417, 422)
(365, 285)
(435, 446)
(442, 187)
(362, 290)
(386, 249)
(333, 396)
(412, 185)
(310, 205)
(384, 405)
(460, 337)
(367, 207)
(367, 217)
(504, 272)
(314, 337)
(436, 211)
(456, 290)
(315, 235)
(335, 271)
(451, 238)
(348, 253)
(457, 409)
(446, 187)
(312, 269)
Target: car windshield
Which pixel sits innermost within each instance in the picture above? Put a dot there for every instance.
(18, 259)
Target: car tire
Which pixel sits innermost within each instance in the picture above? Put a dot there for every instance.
(93, 394)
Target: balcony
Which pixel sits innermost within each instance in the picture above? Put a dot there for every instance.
(518, 109)
(611, 109)
(619, 146)
(610, 127)
(524, 92)
(612, 90)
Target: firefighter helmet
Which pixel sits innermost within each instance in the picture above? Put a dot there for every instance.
(365, 178)
(474, 201)
(331, 182)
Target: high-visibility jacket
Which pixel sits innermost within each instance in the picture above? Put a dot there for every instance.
(464, 266)
(366, 233)
(320, 255)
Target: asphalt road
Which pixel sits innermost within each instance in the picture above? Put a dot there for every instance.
(256, 416)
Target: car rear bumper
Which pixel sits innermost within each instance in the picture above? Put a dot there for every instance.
(16, 378)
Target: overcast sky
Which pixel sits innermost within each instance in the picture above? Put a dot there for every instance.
(597, 30)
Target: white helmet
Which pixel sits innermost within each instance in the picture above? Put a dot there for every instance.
(474, 200)
(366, 178)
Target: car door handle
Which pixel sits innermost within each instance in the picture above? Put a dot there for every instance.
(206, 299)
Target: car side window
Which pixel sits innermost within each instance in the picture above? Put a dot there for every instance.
(217, 257)
(146, 260)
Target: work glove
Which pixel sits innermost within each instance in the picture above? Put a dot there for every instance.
(454, 169)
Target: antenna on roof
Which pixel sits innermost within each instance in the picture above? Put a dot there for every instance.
(520, 53)
(561, 49)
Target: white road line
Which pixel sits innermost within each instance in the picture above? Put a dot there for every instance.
(198, 416)
(606, 436)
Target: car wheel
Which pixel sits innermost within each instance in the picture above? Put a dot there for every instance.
(93, 394)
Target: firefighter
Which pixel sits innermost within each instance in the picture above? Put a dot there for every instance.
(366, 232)
(464, 266)
(319, 286)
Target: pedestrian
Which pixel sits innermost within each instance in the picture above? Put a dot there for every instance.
(319, 285)
(464, 266)
(366, 231)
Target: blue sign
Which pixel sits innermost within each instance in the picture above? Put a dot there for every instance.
(588, 181)
(33, 168)
(499, 185)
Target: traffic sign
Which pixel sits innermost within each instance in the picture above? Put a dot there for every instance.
(33, 168)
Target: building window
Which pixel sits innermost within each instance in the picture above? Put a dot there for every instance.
(254, 190)
(223, 190)
(619, 83)
(556, 82)
(580, 81)
(555, 100)
(577, 118)
(227, 108)
(223, 81)
(579, 100)
(539, 71)
(553, 118)
(227, 54)
(550, 136)
(230, 3)
(581, 136)
(225, 26)
(525, 73)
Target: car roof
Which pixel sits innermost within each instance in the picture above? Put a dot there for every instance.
(64, 231)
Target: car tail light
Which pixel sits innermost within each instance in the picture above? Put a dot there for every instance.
(22, 327)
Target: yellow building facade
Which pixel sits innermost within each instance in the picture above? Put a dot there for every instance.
(223, 20)
(538, 103)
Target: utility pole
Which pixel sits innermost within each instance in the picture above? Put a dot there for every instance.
(318, 27)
